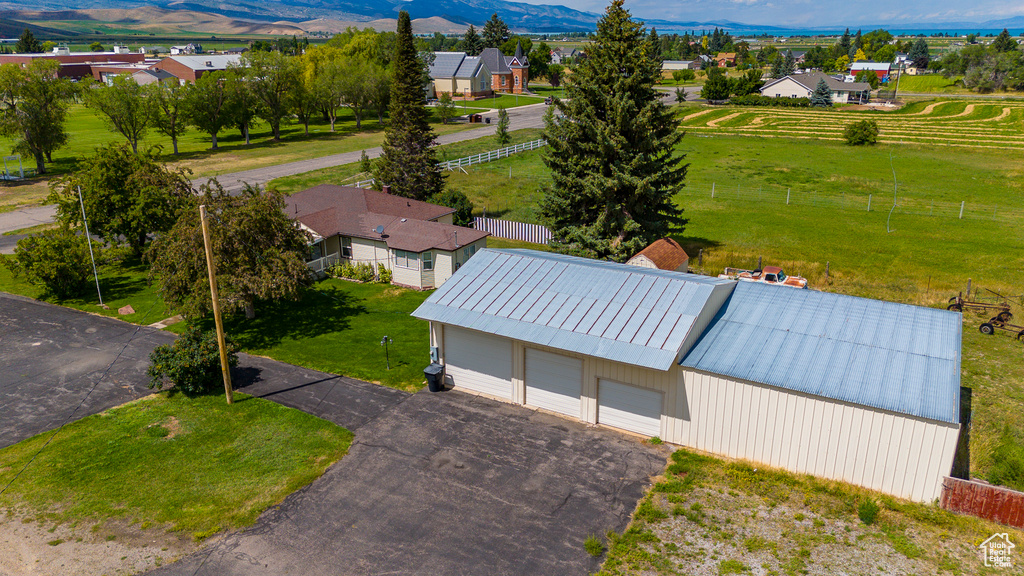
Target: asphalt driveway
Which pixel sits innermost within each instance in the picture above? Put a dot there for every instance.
(448, 483)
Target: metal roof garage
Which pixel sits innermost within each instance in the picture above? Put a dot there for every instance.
(840, 387)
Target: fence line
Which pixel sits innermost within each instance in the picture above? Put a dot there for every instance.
(962, 210)
(513, 230)
(994, 503)
(493, 154)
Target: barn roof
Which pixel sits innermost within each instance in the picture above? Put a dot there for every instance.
(885, 355)
(639, 316)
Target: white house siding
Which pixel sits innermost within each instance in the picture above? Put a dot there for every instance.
(370, 251)
(406, 276)
(786, 88)
(427, 276)
(893, 453)
(443, 266)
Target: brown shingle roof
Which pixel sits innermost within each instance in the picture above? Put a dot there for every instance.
(408, 224)
(666, 254)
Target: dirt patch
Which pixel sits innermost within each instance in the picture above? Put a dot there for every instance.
(111, 548)
(173, 427)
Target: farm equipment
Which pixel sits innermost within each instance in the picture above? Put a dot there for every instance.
(1001, 322)
(769, 275)
(958, 304)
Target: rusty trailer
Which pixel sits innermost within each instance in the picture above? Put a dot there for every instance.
(958, 303)
(1002, 322)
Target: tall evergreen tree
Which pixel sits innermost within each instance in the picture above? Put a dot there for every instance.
(28, 44)
(790, 62)
(918, 54)
(612, 152)
(471, 42)
(408, 163)
(496, 32)
(1003, 42)
(822, 96)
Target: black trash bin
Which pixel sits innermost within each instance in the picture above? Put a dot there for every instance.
(435, 377)
(487, 120)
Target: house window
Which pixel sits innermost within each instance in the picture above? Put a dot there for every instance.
(428, 261)
(346, 247)
(516, 78)
(472, 250)
(405, 259)
(502, 80)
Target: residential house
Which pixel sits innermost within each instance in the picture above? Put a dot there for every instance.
(670, 66)
(840, 387)
(663, 254)
(881, 69)
(802, 85)
(508, 73)
(563, 55)
(724, 59)
(415, 240)
(191, 68)
(459, 74)
(186, 49)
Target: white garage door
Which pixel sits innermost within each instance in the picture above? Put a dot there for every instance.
(629, 408)
(554, 382)
(479, 362)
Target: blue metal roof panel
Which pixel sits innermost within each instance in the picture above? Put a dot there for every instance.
(894, 357)
(635, 315)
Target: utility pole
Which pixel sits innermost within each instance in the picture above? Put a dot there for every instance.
(216, 308)
(88, 241)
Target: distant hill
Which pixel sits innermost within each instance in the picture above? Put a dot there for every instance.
(419, 25)
(12, 28)
(151, 18)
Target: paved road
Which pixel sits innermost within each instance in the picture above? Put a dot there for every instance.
(531, 116)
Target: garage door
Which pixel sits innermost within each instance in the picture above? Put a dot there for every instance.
(629, 408)
(479, 362)
(554, 382)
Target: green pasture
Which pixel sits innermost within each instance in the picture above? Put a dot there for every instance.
(930, 83)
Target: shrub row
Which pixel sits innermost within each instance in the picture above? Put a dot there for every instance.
(758, 100)
(361, 272)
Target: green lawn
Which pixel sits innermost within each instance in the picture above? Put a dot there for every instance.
(88, 132)
(506, 101)
(930, 83)
(709, 516)
(337, 327)
(198, 466)
(351, 173)
(121, 283)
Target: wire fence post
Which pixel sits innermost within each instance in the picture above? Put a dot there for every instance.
(712, 190)
(962, 209)
(869, 202)
(788, 190)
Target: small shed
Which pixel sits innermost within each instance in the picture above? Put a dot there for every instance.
(664, 254)
(845, 388)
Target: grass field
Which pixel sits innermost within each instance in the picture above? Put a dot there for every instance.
(930, 83)
(88, 132)
(192, 465)
(708, 516)
(979, 124)
(924, 260)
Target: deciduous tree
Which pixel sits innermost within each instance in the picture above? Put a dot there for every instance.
(169, 109)
(271, 75)
(445, 107)
(56, 259)
(408, 163)
(127, 196)
(612, 152)
(259, 253)
(717, 86)
(861, 133)
(502, 129)
(34, 104)
(124, 107)
(208, 105)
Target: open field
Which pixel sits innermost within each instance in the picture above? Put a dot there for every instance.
(927, 257)
(709, 517)
(163, 471)
(88, 131)
(979, 124)
(505, 101)
(932, 83)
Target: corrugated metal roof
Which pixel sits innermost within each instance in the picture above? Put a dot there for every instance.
(889, 356)
(634, 315)
(469, 66)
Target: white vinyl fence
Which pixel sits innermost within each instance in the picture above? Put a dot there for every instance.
(513, 230)
(493, 155)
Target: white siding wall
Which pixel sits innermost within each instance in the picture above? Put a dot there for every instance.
(893, 453)
(407, 276)
(641, 261)
(786, 88)
(443, 266)
(371, 251)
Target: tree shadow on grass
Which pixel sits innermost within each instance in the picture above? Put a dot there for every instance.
(694, 244)
(321, 311)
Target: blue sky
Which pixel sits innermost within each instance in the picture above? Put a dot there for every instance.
(810, 12)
